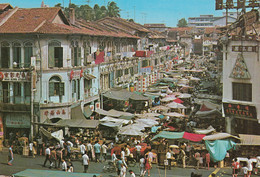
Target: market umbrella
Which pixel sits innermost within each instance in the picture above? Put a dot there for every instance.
(132, 126)
(174, 105)
(174, 146)
(178, 100)
(147, 121)
(167, 99)
(184, 95)
(160, 108)
(174, 114)
(132, 132)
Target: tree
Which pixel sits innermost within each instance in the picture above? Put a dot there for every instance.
(182, 23)
(113, 10)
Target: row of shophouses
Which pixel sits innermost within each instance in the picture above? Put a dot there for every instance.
(50, 65)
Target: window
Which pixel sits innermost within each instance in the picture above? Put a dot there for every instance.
(132, 71)
(27, 89)
(87, 86)
(118, 49)
(6, 92)
(17, 56)
(126, 71)
(5, 54)
(28, 53)
(145, 63)
(55, 52)
(87, 52)
(119, 73)
(242, 92)
(17, 89)
(75, 54)
(56, 87)
(76, 89)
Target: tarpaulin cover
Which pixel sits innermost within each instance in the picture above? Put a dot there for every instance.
(154, 129)
(41, 173)
(218, 149)
(99, 57)
(193, 136)
(169, 135)
(252, 140)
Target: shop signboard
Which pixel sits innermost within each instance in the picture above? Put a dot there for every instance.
(15, 76)
(147, 69)
(240, 110)
(17, 121)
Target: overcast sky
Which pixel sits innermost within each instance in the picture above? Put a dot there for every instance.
(144, 11)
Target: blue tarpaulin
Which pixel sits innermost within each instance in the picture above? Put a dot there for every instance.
(218, 148)
(154, 129)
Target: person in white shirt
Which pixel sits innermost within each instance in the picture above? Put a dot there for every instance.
(47, 156)
(122, 153)
(123, 171)
(169, 158)
(113, 157)
(127, 153)
(31, 149)
(138, 151)
(104, 151)
(89, 149)
(132, 174)
(82, 149)
(142, 165)
(249, 166)
(85, 162)
(64, 165)
(61, 144)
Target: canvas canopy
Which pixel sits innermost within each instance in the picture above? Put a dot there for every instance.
(174, 114)
(252, 140)
(169, 135)
(115, 113)
(219, 136)
(78, 123)
(124, 95)
(174, 105)
(147, 122)
(210, 129)
(218, 148)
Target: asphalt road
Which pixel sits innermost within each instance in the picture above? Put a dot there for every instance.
(21, 163)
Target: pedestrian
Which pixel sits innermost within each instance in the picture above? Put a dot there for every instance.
(249, 166)
(183, 157)
(257, 165)
(118, 165)
(70, 166)
(89, 150)
(132, 174)
(245, 170)
(148, 165)
(127, 153)
(64, 165)
(59, 154)
(82, 149)
(207, 159)
(142, 166)
(169, 158)
(113, 158)
(97, 150)
(104, 151)
(138, 148)
(47, 155)
(40, 145)
(122, 171)
(235, 168)
(197, 157)
(85, 162)
(53, 158)
(31, 149)
(10, 155)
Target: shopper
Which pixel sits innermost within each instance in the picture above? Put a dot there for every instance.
(47, 155)
(85, 162)
(10, 155)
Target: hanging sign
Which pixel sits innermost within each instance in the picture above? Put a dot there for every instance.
(239, 110)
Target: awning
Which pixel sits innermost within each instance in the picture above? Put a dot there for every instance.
(219, 136)
(89, 76)
(253, 140)
(87, 111)
(79, 123)
(169, 135)
(76, 112)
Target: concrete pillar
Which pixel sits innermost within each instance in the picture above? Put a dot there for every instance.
(228, 121)
(11, 87)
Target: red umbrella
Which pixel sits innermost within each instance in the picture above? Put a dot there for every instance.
(178, 100)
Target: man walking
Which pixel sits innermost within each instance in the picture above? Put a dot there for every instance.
(82, 149)
(85, 162)
(10, 155)
(138, 151)
(89, 149)
(97, 149)
(47, 156)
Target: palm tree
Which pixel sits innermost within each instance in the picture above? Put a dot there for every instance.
(113, 10)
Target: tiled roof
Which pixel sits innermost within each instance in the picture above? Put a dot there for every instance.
(29, 20)
(4, 6)
(211, 30)
(155, 25)
(181, 29)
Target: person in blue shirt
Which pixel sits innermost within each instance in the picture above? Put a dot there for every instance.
(118, 165)
(97, 149)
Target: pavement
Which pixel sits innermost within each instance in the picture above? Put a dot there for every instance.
(21, 163)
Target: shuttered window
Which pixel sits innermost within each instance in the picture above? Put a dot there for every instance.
(56, 87)
(242, 91)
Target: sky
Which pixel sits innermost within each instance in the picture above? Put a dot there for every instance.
(142, 11)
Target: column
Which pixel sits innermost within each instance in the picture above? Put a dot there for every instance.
(11, 94)
(22, 91)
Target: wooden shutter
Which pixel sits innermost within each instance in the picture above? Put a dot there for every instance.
(79, 55)
(27, 56)
(62, 89)
(51, 62)
(51, 88)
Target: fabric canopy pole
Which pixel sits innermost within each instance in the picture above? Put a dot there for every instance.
(218, 148)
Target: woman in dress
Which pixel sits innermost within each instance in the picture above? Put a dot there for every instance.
(148, 165)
